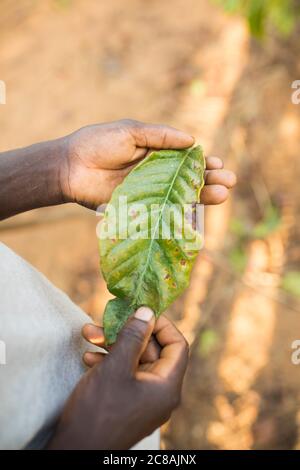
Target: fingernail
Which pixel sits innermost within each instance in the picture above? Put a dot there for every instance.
(144, 313)
(97, 340)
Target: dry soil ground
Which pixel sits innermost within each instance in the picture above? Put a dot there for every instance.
(69, 63)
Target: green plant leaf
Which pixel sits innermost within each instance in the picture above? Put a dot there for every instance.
(148, 245)
(115, 315)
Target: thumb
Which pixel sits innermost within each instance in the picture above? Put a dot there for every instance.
(158, 136)
(133, 339)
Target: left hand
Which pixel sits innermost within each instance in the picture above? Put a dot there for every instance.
(121, 400)
(98, 157)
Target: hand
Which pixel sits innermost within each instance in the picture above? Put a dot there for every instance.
(86, 166)
(98, 158)
(122, 399)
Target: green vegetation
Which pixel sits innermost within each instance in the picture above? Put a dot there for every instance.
(279, 14)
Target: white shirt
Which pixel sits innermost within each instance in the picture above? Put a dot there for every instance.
(42, 347)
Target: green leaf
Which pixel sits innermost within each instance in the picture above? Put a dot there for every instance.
(148, 245)
(291, 283)
(115, 315)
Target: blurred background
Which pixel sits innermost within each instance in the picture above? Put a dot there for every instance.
(223, 71)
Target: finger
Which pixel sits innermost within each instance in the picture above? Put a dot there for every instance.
(174, 354)
(223, 177)
(132, 341)
(94, 334)
(138, 156)
(159, 136)
(92, 358)
(213, 194)
(214, 163)
(166, 332)
(152, 351)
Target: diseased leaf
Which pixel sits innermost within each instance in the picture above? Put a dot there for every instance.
(148, 238)
(116, 313)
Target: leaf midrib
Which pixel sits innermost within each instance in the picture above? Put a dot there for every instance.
(157, 225)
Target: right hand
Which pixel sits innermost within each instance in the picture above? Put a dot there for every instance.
(97, 158)
(122, 399)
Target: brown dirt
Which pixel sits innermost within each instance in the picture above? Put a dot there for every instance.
(69, 63)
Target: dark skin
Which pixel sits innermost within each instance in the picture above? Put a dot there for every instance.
(133, 389)
(122, 398)
(86, 166)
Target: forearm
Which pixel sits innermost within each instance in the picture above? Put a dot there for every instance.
(31, 177)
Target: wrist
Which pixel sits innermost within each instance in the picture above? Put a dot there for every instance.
(31, 177)
(44, 165)
(57, 171)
